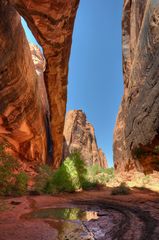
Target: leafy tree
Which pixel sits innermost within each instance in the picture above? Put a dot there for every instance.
(11, 183)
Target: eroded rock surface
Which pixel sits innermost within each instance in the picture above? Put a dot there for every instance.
(136, 136)
(79, 136)
(51, 22)
(22, 123)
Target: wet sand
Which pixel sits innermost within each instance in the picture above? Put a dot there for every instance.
(131, 217)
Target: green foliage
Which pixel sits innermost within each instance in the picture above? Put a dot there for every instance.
(3, 205)
(58, 213)
(145, 180)
(94, 169)
(21, 183)
(139, 152)
(87, 185)
(142, 188)
(99, 175)
(43, 179)
(109, 171)
(123, 189)
(71, 175)
(10, 182)
(156, 149)
(155, 159)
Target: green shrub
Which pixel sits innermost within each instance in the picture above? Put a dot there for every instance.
(10, 182)
(139, 153)
(43, 179)
(121, 190)
(109, 174)
(88, 185)
(21, 183)
(109, 171)
(3, 205)
(145, 180)
(71, 176)
(94, 169)
(142, 188)
(99, 175)
(156, 149)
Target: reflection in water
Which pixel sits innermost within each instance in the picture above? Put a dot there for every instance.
(74, 230)
(64, 213)
(69, 222)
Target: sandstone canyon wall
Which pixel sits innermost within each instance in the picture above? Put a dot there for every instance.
(136, 135)
(51, 22)
(79, 135)
(21, 111)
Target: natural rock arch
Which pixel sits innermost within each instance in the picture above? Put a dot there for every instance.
(51, 22)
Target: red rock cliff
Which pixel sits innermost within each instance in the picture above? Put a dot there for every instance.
(80, 135)
(136, 135)
(21, 111)
(51, 22)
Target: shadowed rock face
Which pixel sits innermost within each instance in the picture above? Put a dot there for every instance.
(21, 111)
(51, 22)
(136, 135)
(79, 136)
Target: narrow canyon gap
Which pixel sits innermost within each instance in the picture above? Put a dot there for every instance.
(136, 140)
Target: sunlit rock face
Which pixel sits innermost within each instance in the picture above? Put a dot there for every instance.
(21, 112)
(102, 159)
(40, 65)
(136, 136)
(79, 135)
(51, 22)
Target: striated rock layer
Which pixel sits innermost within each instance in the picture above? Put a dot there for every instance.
(22, 123)
(51, 22)
(79, 136)
(136, 135)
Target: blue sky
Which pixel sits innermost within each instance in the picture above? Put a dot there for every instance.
(95, 68)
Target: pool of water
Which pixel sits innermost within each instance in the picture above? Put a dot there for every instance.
(63, 214)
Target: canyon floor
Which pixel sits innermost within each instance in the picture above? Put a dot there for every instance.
(130, 217)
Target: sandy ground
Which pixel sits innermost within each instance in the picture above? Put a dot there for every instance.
(134, 216)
